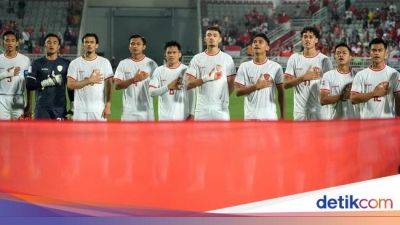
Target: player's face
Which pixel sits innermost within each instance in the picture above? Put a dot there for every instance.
(90, 45)
(212, 38)
(52, 45)
(260, 46)
(342, 56)
(377, 53)
(309, 40)
(10, 42)
(172, 54)
(136, 46)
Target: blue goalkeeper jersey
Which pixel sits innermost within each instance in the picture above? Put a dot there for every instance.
(53, 96)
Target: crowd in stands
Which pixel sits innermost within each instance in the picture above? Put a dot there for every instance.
(31, 41)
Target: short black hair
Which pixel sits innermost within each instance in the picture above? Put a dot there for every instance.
(215, 28)
(53, 35)
(263, 36)
(138, 36)
(313, 30)
(376, 41)
(90, 35)
(172, 43)
(10, 32)
(343, 45)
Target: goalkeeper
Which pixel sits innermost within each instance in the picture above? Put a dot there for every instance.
(49, 78)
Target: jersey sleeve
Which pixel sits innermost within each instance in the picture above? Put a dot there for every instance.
(325, 83)
(73, 71)
(396, 87)
(326, 65)
(193, 69)
(240, 76)
(119, 72)
(357, 84)
(290, 66)
(279, 76)
(31, 78)
(155, 79)
(230, 68)
(108, 71)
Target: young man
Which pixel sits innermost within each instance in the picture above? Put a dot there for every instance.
(303, 72)
(257, 80)
(13, 67)
(336, 86)
(213, 72)
(89, 75)
(376, 89)
(133, 75)
(167, 83)
(49, 78)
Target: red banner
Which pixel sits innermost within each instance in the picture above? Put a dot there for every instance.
(197, 166)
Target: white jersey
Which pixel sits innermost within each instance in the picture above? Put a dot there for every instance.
(306, 94)
(260, 104)
(380, 107)
(14, 85)
(136, 99)
(213, 95)
(172, 104)
(90, 98)
(334, 82)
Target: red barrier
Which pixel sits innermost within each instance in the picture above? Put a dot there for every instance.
(191, 166)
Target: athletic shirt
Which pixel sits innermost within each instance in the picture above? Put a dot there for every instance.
(14, 85)
(260, 104)
(90, 98)
(53, 96)
(212, 94)
(366, 80)
(334, 82)
(136, 98)
(306, 94)
(172, 105)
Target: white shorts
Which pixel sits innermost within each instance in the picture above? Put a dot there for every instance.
(137, 117)
(88, 116)
(11, 106)
(212, 114)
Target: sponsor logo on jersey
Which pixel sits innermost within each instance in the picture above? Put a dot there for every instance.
(45, 69)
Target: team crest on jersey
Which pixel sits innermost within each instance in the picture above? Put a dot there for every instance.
(60, 68)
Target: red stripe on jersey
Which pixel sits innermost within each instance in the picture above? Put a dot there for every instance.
(324, 89)
(117, 79)
(153, 86)
(109, 77)
(71, 77)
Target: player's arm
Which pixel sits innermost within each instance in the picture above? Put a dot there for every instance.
(108, 92)
(326, 98)
(157, 91)
(193, 82)
(10, 72)
(281, 99)
(380, 90)
(95, 78)
(260, 84)
(231, 83)
(123, 84)
(292, 81)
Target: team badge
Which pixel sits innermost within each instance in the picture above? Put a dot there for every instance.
(59, 68)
